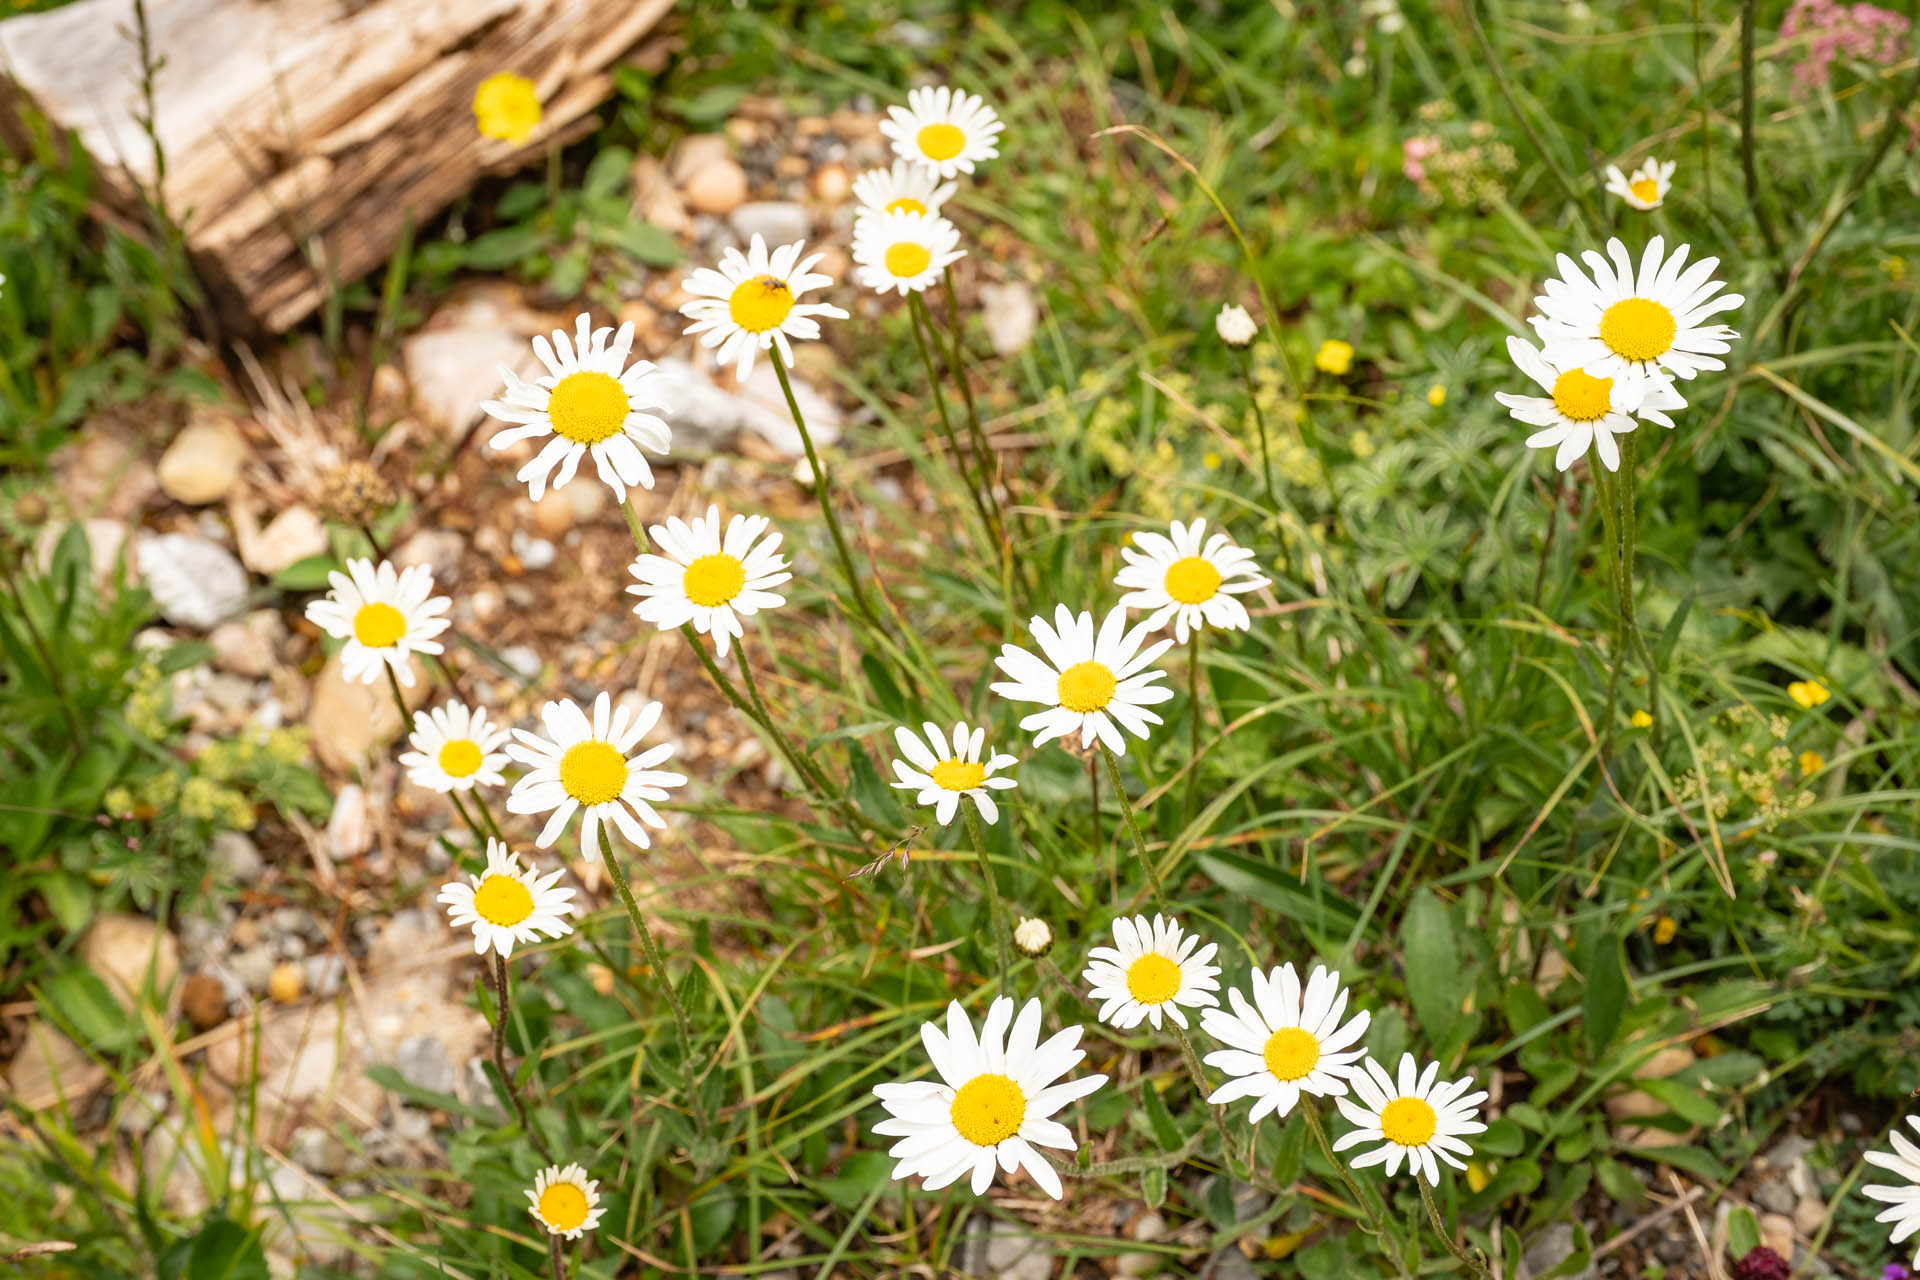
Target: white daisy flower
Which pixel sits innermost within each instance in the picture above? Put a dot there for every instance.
(752, 302)
(1647, 186)
(1189, 580)
(1096, 684)
(945, 773)
(945, 129)
(384, 615)
(1644, 320)
(453, 749)
(1286, 1041)
(1032, 937)
(508, 903)
(1903, 1201)
(589, 401)
(992, 1104)
(1235, 327)
(907, 187)
(903, 251)
(1581, 411)
(566, 1201)
(1151, 970)
(1412, 1118)
(586, 765)
(709, 579)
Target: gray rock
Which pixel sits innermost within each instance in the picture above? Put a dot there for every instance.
(422, 1062)
(438, 549)
(1551, 1248)
(253, 966)
(236, 857)
(1775, 1196)
(1229, 1264)
(706, 417)
(777, 222)
(318, 1151)
(534, 553)
(410, 1124)
(1006, 1251)
(324, 974)
(523, 661)
(196, 582)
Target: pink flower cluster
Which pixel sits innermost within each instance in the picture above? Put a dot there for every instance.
(1860, 31)
(1414, 152)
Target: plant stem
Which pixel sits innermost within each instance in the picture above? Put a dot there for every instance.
(507, 1092)
(1346, 1175)
(1446, 1236)
(1193, 712)
(1002, 939)
(823, 491)
(466, 816)
(918, 313)
(399, 698)
(1133, 826)
(1755, 204)
(957, 361)
(1260, 418)
(657, 961)
(554, 1256)
(486, 816)
(1113, 859)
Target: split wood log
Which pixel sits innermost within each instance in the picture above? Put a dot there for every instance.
(301, 136)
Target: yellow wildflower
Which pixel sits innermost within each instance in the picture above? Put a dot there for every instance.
(1808, 693)
(1811, 763)
(1641, 720)
(1663, 930)
(1334, 357)
(1437, 394)
(506, 106)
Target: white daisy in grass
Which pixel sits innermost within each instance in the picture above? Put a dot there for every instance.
(993, 1103)
(947, 130)
(587, 766)
(1903, 1202)
(907, 187)
(946, 772)
(1581, 411)
(1646, 187)
(1285, 1041)
(709, 578)
(1645, 319)
(1151, 970)
(589, 401)
(752, 302)
(1093, 684)
(508, 903)
(903, 251)
(566, 1201)
(385, 615)
(453, 749)
(1188, 577)
(1412, 1118)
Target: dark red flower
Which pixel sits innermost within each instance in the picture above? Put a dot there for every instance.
(1762, 1263)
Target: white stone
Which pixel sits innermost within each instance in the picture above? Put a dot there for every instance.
(202, 463)
(1010, 315)
(438, 549)
(246, 647)
(290, 537)
(196, 582)
(777, 222)
(350, 828)
(126, 950)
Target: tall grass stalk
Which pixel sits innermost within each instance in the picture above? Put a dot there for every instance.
(823, 490)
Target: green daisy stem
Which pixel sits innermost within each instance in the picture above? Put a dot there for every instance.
(1260, 419)
(657, 961)
(956, 360)
(1630, 520)
(1133, 825)
(486, 816)
(997, 921)
(503, 1082)
(1454, 1247)
(823, 491)
(554, 1256)
(918, 314)
(1360, 1198)
(1193, 713)
(466, 816)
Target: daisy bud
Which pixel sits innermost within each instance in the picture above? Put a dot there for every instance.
(1033, 937)
(1235, 327)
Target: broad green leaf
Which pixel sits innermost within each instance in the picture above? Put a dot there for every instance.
(1436, 982)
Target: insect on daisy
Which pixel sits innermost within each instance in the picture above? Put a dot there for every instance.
(508, 903)
(1150, 971)
(1412, 1118)
(1647, 186)
(945, 773)
(1188, 577)
(709, 579)
(1647, 319)
(992, 1104)
(586, 765)
(453, 749)
(385, 616)
(1903, 1202)
(566, 1201)
(1285, 1041)
(590, 401)
(752, 302)
(903, 251)
(947, 130)
(1096, 684)
(1581, 411)
(906, 187)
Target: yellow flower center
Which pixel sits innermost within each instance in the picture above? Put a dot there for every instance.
(588, 407)
(1192, 580)
(507, 107)
(460, 758)
(1408, 1122)
(593, 772)
(988, 1109)
(1292, 1053)
(502, 900)
(1646, 190)
(1153, 979)
(760, 304)
(1637, 328)
(941, 141)
(1582, 398)
(1086, 686)
(714, 580)
(563, 1206)
(379, 625)
(906, 204)
(907, 259)
(958, 775)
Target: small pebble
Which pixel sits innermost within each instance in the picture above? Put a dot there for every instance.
(286, 983)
